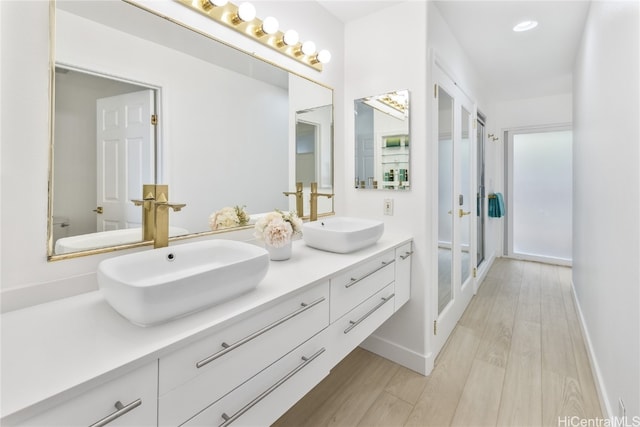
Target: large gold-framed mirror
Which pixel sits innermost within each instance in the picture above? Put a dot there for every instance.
(216, 124)
(382, 141)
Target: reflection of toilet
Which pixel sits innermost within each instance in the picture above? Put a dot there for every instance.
(60, 227)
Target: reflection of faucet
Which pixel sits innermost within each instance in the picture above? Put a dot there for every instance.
(313, 216)
(155, 214)
(299, 201)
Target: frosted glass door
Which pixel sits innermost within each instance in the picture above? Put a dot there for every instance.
(541, 188)
(456, 201)
(445, 199)
(465, 200)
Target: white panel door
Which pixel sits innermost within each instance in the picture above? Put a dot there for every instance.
(125, 157)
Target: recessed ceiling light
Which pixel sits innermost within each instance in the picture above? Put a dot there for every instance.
(525, 26)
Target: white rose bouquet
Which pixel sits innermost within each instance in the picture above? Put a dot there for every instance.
(229, 217)
(278, 228)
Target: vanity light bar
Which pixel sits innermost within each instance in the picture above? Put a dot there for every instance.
(243, 19)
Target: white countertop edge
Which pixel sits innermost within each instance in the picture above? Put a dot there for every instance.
(34, 380)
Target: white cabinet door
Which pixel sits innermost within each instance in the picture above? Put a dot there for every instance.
(403, 275)
(357, 284)
(198, 375)
(263, 399)
(352, 328)
(135, 393)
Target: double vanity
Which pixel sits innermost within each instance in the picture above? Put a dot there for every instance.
(244, 361)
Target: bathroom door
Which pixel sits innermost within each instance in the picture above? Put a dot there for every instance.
(125, 157)
(456, 245)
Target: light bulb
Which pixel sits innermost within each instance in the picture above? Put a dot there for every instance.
(291, 37)
(246, 12)
(209, 4)
(308, 48)
(270, 25)
(525, 26)
(324, 56)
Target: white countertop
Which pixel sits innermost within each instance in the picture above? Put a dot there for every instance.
(54, 351)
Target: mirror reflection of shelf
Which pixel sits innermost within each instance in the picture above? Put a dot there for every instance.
(395, 161)
(392, 185)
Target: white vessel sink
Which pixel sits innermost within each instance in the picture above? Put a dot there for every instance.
(158, 285)
(342, 234)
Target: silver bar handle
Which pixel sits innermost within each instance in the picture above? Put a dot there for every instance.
(305, 361)
(354, 280)
(353, 324)
(406, 255)
(121, 410)
(230, 347)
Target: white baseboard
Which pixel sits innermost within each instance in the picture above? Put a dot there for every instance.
(422, 364)
(595, 370)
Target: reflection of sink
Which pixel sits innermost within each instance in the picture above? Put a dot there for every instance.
(342, 234)
(161, 284)
(101, 239)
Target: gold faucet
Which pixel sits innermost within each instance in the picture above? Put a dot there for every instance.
(313, 216)
(155, 214)
(299, 201)
(148, 213)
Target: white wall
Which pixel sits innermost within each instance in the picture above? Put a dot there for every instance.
(443, 44)
(202, 111)
(379, 62)
(401, 59)
(516, 114)
(26, 277)
(606, 199)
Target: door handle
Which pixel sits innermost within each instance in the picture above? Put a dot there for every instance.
(99, 210)
(462, 213)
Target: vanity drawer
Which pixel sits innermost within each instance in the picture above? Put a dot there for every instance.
(403, 275)
(350, 330)
(263, 399)
(200, 374)
(354, 286)
(135, 392)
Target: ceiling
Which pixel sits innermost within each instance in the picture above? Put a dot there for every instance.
(349, 10)
(519, 65)
(511, 65)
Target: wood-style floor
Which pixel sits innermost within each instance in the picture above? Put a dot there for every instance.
(516, 358)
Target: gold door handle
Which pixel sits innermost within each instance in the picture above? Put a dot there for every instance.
(462, 213)
(99, 210)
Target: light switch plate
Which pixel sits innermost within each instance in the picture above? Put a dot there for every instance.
(388, 207)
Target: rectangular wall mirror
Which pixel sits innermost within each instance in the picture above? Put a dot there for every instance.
(141, 100)
(382, 141)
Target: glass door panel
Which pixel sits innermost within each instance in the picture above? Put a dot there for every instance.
(464, 198)
(480, 194)
(445, 198)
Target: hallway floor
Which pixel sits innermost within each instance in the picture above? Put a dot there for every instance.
(516, 358)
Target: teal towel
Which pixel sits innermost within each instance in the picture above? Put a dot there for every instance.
(496, 205)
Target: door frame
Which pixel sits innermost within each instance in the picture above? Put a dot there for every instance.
(508, 189)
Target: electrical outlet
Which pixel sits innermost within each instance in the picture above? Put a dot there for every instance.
(388, 207)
